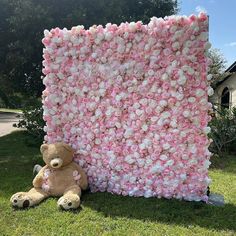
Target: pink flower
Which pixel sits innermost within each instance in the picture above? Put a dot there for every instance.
(132, 101)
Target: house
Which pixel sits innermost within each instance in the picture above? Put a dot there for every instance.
(225, 91)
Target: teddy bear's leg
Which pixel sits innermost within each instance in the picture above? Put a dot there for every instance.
(28, 199)
(70, 199)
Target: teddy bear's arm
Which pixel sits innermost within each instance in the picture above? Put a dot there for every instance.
(38, 180)
(84, 180)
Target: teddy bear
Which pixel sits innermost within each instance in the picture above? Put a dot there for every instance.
(60, 177)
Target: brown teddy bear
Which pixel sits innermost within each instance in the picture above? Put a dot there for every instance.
(59, 177)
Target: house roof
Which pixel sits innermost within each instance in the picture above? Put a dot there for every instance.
(229, 71)
(232, 68)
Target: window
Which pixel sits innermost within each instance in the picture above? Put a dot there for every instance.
(225, 98)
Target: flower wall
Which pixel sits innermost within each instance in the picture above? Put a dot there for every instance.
(132, 100)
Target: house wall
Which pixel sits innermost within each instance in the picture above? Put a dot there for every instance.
(230, 83)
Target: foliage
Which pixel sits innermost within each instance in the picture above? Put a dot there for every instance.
(107, 214)
(22, 24)
(223, 130)
(217, 67)
(32, 120)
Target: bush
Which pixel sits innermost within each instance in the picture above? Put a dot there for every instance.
(223, 131)
(32, 120)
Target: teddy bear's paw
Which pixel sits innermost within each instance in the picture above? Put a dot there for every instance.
(67, 203)
(21, 200)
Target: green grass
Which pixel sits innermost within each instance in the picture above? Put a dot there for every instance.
(107, 214)
(10, 110)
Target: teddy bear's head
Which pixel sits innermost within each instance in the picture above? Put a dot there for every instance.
(57, 155)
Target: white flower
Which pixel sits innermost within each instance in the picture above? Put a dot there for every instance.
(186, 113)
(156, 52)
(118, 125)
(210, 91)
(182, 80)
(183, 176)
(132, 116)
(71, 116)
(206, 164)
(203, 36)
(160, 122)
(164, 76)
(136, 105)
(183, 134)
(207, 45)
(203, 101)
(47, 33)
(100, 36)
(109, 112)
(166, 114)
(154, 118)
(121, 48)
(191, 99)
(173, 123)
(141, 162)
(163, 103)
(179, 96)
(185, 51)
(157, 137)
(129, 159)
(97, 141)
(143, 101)
(152, 103)
(150, 72)
(163, 157)
(148, 193)
(173, 29)
(139, 112)
(157, 168)
(200, 92)
(169, 163)
(178, 34)
(175, 45)
(142, 146)
(209, 77)
(118, 97)
(94, 55)
(108, 36)
(128, 132)
(192, 148)
(207, 130)
(147, 142)
(132, 26)
(166, 146)
(144, 127)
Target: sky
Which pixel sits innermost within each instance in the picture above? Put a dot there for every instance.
(222, 23)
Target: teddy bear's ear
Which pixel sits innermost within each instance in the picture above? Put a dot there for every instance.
(68, 147)
(43, 148)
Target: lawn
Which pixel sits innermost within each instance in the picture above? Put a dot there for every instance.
(107, 214)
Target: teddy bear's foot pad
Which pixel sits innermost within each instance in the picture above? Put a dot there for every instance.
(65, 203)
(21, 200)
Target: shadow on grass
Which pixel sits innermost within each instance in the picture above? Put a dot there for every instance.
(225, 164)
(16, 175)
(176, 212)
(18, 154)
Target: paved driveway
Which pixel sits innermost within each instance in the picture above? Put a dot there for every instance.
(7, 119)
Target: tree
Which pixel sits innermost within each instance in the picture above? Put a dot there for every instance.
(22, 24)
(218, 66)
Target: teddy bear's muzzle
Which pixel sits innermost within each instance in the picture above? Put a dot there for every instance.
(56, 163)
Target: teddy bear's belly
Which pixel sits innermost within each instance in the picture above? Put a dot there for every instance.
(59, 181)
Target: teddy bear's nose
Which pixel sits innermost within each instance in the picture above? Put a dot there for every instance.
(56, 163)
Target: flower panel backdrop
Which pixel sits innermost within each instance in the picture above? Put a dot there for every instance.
(132, 100)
